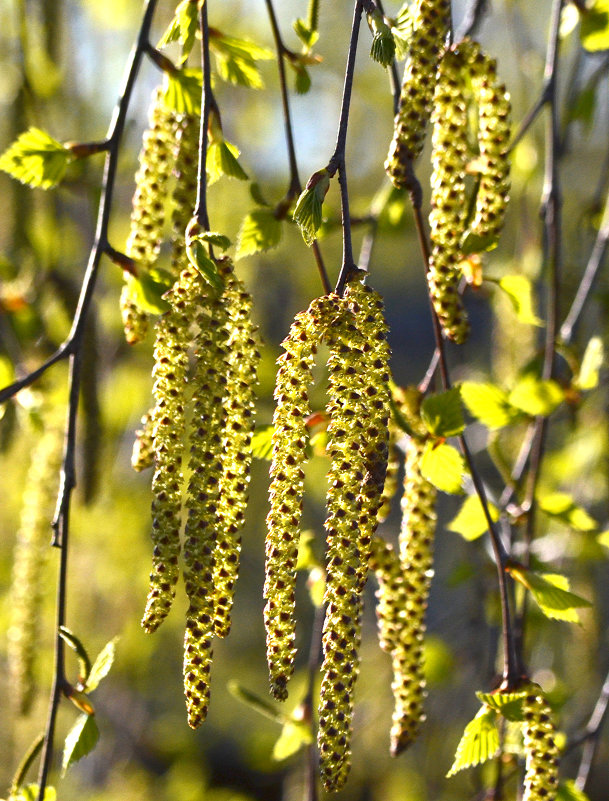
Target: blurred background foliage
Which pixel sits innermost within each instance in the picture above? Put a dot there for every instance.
(61, 64)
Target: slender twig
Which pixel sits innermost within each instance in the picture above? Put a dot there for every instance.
(592, 735)
(206, 100)
(72, 348)
(337, 162)
(314, 661)
(472, 19)
(590, 274)
(295, 186)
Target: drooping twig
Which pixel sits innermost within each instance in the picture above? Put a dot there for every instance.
(337, 162)
(592, 735)
(295, 186)
(72, 348)
(472, 19)
(206, 101)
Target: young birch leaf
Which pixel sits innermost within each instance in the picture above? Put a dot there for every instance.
(182, 28)
(520, 292)
(561, 506)
(222, 160)
(200, 260)
(102, 665)
(383, 43)
(262, 442)
(255, 702)
(594, 29)
(443, 413)
(30, 793)
(260, 231)
(470, 522)
(443, 466)
(308, 211)
(84, 662)
(216, 239)
(36, 159)
(294, 735)
(81, 740)
(509, 705)
(592, 362)
(302, 84)
(182, 91)
(147, 291)
(488, 403)
(603, 538)
(479, 743)
(306, 35)
(551, 592)
(568, 791)
(236, 59)
(535, 396)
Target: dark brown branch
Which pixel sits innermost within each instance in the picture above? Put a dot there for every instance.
(200, 212)
(337, 162)
(72, 348)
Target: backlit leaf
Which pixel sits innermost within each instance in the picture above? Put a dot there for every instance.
(488, 403)
(262, 442)
(183, 27)
(260, 231)
(81, 740)
(603, 538)
(308, 211)
(36, 159)
(562, 506)
(443, 413)
(443, 466)
(520, 292)
(568, 791)
(102, 665)
(147, 290)
(509, 705)
(535, 396)
(479, 743)
(470, 522)
(592, 362)
(222, 160)
(236, 59)
(207, 268)
(551, 591)
(30, 793)
(294, 735)
(182, 91)
(594, 30)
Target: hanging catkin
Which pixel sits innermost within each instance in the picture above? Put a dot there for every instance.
(31, 548)
(287, 484)
(430, 19)
(541, 752)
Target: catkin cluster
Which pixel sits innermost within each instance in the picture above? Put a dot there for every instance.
(461, 67)
(431, 20)
(31, 548)
(358, 409)
(404, 581)
(542, 755)
(206, 358)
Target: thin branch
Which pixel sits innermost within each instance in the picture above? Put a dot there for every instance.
(206, 102)
(337, 162)
(295, 186)
(472, 19)
(72, 348)
(592, 736)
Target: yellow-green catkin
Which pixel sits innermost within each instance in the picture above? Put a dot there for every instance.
(173, 337)
(431, 20)
(184, 195)
(541, 752)
(148, 206)
(391, 484)
(358, 407)
(242, 368)
(142, 455)
(287, 483)
(31, 548)
(494, 109)
(202, 525)
(448, 206)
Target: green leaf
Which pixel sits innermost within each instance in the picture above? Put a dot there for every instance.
(84, 662)
(562, 506)
(488, 403)
(262, 442)
(443, 413)
(471, 242)
(30, 793)
(182, 91)
(509, 705)
(594, 30)
(592, 361)
(254, 701)
(260, 231)
(147, 290)
(294, 735)
(308, 211)
(479, 743)
(383, 43)
(306, 35)
(302, 84)
(535, 396)
(183, 27)
(222, 160)
(306, 555)
(401, 27)
(216, 239)
(102, 665)
(603, 538)
(36, 159)
(200, 260)
(568, 791)
(81, 740)
(316, 584)
(551, 592)
(236, 59)
(470, 521)
(520, 292)
(443, 466)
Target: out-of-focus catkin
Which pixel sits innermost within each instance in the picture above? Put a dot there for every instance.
(541, 752)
